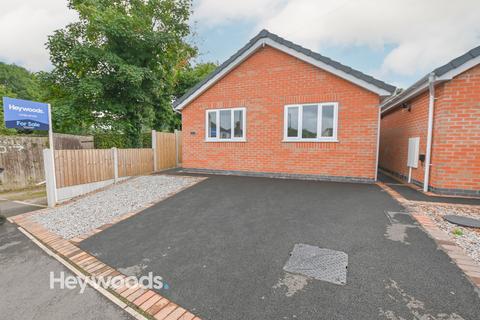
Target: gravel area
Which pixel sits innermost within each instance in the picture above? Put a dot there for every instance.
(468, 238)
(92, 211)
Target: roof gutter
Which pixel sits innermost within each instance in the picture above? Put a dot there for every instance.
(408, 94)
(431, 106)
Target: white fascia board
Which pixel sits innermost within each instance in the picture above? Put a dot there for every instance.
(292, 52)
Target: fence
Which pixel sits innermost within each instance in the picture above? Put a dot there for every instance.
(76, 172)
(134, 162)
(164, 144)
(73, 167)
(21, 157)
(64, 141)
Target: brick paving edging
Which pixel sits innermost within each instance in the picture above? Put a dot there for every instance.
(469, 266)
(144, 301)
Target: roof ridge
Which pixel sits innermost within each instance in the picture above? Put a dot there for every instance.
(458, 61)
(264, 33)
(321, 56)
(438, 72)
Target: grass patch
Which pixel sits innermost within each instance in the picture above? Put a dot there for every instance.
(457, 232)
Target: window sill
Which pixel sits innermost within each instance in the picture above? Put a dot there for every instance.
(226, 140)
(312, 140)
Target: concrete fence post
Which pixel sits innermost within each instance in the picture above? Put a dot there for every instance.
(176, 147)
(154, 148)
(115, 164)
(50, 177)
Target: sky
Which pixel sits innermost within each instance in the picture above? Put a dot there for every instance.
(395, 41)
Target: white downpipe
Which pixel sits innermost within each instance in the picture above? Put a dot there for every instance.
(378, 142)
(428, 156)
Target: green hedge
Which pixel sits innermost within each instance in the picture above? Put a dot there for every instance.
(110, 140)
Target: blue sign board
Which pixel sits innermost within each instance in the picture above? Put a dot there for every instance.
(24, 114)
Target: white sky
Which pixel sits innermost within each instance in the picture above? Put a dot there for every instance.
(420, 34)
(24, 27)
(423, 33)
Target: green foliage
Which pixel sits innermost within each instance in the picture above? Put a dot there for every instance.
(4, 92)
(114, 69)
(16, 82)
(189, 76)
(20, 81)
(457, 232)
(109, 140)
(186, 78)
(106, 140)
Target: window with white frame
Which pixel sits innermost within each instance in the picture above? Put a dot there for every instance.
(311, 122)
(225, 124)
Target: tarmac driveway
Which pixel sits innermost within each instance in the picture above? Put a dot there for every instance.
(221, 246)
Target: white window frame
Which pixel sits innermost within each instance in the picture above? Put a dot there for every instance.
(232, 119)
(299, 138)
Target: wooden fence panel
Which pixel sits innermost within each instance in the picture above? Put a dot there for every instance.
(166, 150)
(73, 167)
(22, 161)
(134, 162)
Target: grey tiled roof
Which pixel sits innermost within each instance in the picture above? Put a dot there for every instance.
(266, 34)
(457, 62)
(391, 102)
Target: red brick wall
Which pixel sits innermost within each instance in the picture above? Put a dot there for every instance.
(456, 135)
(456, 148)
(395, 130)
(264, 83)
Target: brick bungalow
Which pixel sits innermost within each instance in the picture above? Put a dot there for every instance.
(441, 110)
(277, 109)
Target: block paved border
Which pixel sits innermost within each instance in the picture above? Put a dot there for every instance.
(469, 266)
(140, 302)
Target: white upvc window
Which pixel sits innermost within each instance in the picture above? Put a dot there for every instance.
(225, 124)
(315, 122)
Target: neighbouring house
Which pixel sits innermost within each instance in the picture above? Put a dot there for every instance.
(435, 124)
(277, 109)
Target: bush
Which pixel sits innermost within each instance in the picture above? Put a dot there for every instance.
(119, 140)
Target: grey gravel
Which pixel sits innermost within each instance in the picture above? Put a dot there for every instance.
(469, 240)
(92, 211)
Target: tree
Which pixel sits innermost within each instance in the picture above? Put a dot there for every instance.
(188, 77)
(21, 82)
(115, 68)
(17, 82)
(5, 92)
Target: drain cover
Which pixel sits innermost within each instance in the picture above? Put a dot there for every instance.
(463, 221)
(321, 264)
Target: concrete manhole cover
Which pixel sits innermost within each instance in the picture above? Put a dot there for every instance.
(317, 263)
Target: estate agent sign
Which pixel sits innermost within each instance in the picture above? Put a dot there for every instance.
(24, 114)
